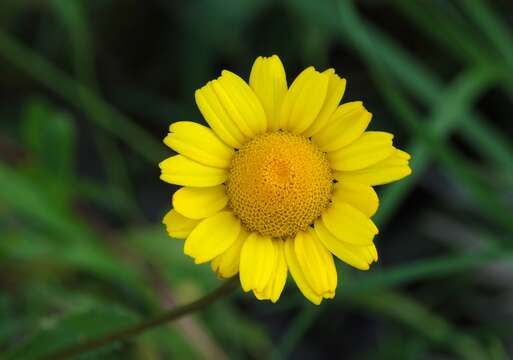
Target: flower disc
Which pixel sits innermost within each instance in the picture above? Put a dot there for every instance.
(279, 183)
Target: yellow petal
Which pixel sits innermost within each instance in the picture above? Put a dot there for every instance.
(297, 273)
(336, 88)
(368, 149)
(257, 262)
(198, 143)
(276, 283)
(374, 252)
(227, 264)
(269, 83)
(348, 224)
(241, 104)
(292, 93)
(178, 226)
(316, 262)
(217, 117)
(212, 237)
(360, 196)
(180, 170)
(346, 124)
(393, 168)
(303, 100)
(370, 253)
(357, 256)
(199, 203)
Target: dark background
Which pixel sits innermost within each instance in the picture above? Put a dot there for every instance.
(88, 89)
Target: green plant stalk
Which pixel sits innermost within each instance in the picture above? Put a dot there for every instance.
(166, 317)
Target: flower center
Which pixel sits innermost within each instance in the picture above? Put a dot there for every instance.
(279, 183)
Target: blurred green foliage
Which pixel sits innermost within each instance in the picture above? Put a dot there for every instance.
(87, 91)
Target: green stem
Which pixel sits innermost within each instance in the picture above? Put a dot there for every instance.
(124, 334)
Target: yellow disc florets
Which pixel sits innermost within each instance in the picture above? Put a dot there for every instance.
(279, 183)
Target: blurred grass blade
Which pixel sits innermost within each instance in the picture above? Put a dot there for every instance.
(71, 15)
(492, 144)
(21, 195)
(81, 96)
(371, 283)
(381, 52)
(416, 316)
(299, 325)
(74, 21)
(376, 47)
(431, 135)
(436, 267)
(498, 33)
(49, 137)
(79, 246)
(453, 34)
(446, 116)
(56, 334)
(486, 198)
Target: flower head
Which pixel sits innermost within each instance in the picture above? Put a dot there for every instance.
(281, 181)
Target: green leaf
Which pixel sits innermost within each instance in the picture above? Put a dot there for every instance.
(28, 198)
(49, 136)
(68, 240)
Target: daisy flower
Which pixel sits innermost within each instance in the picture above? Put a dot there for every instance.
(280, 182)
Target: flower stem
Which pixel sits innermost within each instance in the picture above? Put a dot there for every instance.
(137, 329)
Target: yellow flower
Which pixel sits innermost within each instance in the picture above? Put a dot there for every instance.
(281, 181)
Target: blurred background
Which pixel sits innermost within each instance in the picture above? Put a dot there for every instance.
(88, 89)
